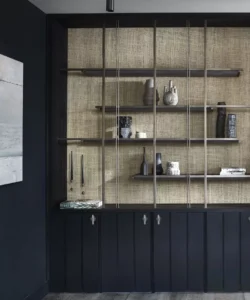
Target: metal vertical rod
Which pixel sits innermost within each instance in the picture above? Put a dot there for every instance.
(103, 110)
(188, 116)
(117, 115)
(205, 114)
(154, 119)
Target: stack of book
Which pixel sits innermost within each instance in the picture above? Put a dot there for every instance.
(232, 171)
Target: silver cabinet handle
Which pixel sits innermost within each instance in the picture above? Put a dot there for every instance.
(248, 219)
(145, 219)
(158, 219)
(93, 219)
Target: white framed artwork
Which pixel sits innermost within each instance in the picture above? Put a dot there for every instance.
(11, 120)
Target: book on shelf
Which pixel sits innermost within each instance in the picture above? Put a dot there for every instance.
(232, 171)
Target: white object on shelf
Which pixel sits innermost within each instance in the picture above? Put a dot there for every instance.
(173, 168)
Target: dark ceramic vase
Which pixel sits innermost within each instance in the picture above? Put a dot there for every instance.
(221, 121)
(124, 126)
(159, 169)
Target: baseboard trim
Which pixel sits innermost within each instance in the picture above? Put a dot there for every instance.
(40, 293)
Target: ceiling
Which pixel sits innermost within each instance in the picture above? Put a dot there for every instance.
(143, 6)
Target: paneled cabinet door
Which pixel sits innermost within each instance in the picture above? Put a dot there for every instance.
(161, 251)
(109, 252)
(126, 265)
(143, 252)
(245, 251)
(90, 252)
(178, 231)
(223, 251)
(73, 257)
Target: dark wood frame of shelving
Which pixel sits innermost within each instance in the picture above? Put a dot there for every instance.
(98, 141)
(165, 108)
(192, 177)
(140, 72)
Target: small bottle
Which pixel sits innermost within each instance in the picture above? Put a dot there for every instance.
(144, 164)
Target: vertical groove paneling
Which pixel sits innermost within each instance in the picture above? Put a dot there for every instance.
(73, 253)
(196, 251)
(161, 253)
(179, 251)
(214, 251)
(90, 253)
(109, 251)
(126, 269)
(57, 252)
(143, 253)
(231, 252)
(245, 251)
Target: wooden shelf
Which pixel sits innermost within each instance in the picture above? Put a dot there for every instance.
(192, 177)
(165, 108)
(98, 141)
(98, 72)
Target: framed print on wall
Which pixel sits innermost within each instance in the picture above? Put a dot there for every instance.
(11, 120)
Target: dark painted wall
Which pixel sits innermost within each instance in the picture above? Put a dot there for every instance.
(23, 205)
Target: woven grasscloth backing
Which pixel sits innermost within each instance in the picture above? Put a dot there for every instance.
(227, 48)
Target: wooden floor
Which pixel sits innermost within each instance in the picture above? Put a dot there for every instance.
(149, 296)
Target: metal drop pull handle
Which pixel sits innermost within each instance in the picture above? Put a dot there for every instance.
(93, 219)
(158, 220)
(145, 219)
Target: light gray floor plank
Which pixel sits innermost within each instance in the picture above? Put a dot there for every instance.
(229, 296)
(149, 296)
(246, 296)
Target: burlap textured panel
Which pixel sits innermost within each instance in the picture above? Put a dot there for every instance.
(227, 48)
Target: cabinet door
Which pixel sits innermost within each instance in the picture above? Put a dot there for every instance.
(73, 253)
(161, 251)
(143, 252)
(231, 252)
(126, 257)
(245, 251)
(179, 251)
(109, 251)
(90, 253)
(196, 260)
(214, 251)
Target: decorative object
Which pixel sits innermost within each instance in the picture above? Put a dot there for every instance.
(173, 168)
(124, 126)
(159, 169)
(148, 97)
(170, 96)
(221, 119)
(144, 164)
(11, 120)
(86, 204)
(231, 126)
(110, 5)
(71, 167)
(140, 135)
(232, 171)
(82, 171)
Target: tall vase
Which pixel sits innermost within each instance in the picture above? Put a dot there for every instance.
(144, 164)
(221, 120)
(148, 97)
